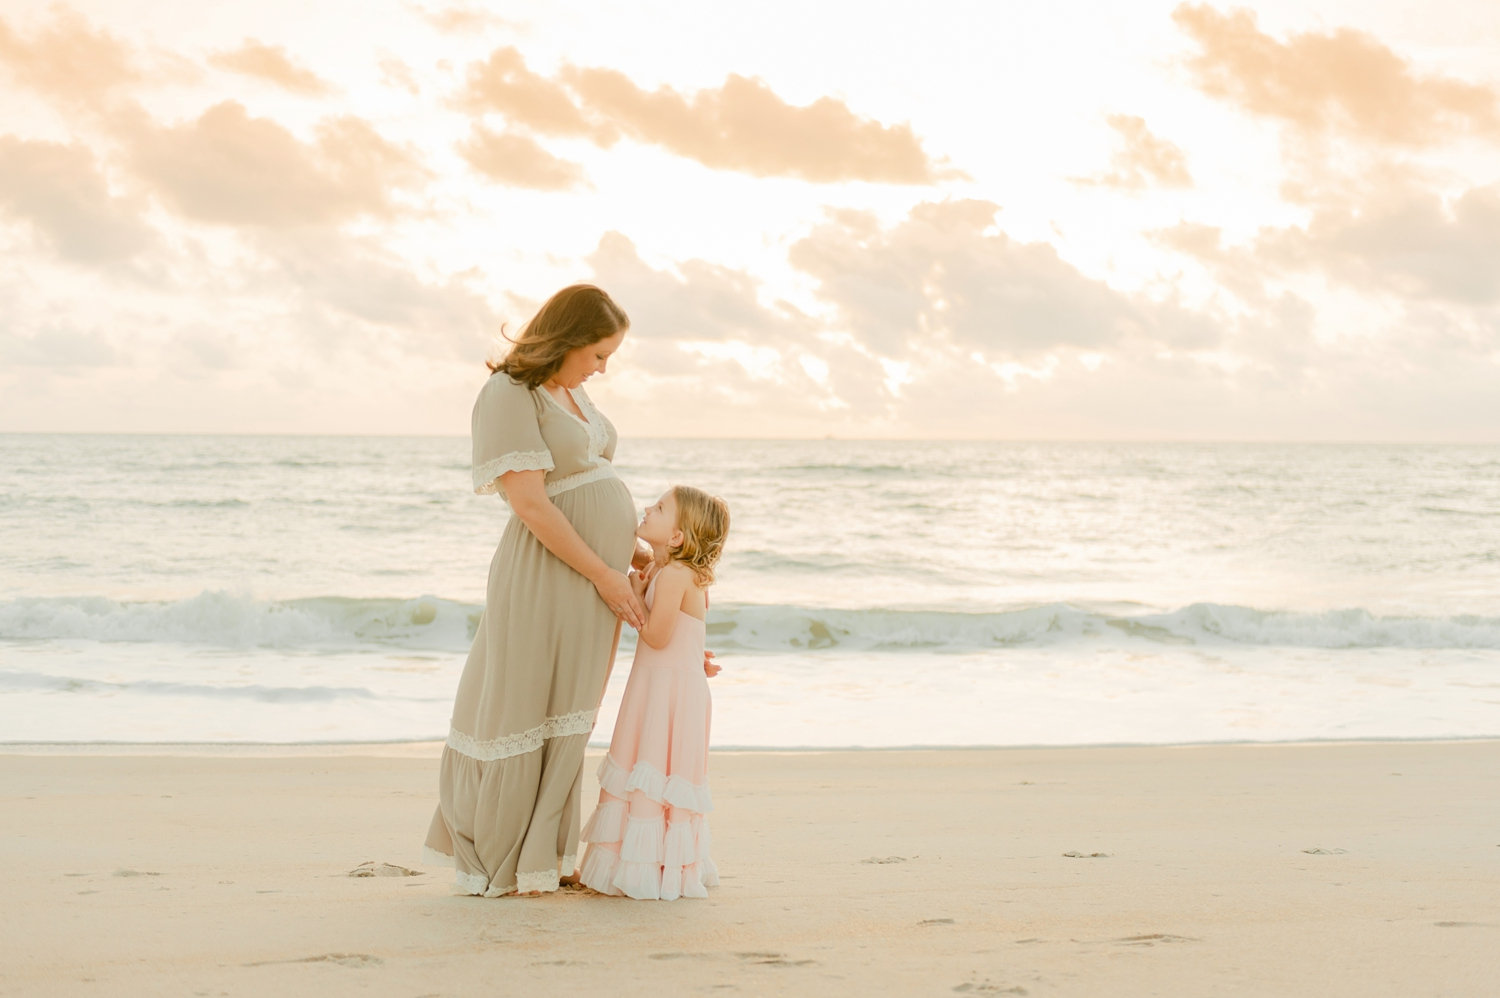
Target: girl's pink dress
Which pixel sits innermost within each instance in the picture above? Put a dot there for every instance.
(648, 838)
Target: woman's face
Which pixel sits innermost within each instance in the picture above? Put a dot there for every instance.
(583, 363)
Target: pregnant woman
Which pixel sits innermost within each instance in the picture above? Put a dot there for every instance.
(512, 768)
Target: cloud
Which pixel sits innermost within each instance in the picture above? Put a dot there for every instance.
(69, 60)
(946, 278)
(1145, 161)
(271, 63)
(722, 396)
(502, 83)
(734, 349)
(395, 73)
(1140, 397)
(745, 127)
(304, 304)
(519, 160)
(461, 19)
(1342, 82)
(60, 191)
(1390, 238)
(1406, 242)
(742, 126)
(229, 168)
(1233, 268)
(700, 301)
(342, 291)
(57, 346)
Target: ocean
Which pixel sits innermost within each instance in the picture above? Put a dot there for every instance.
(872, 594)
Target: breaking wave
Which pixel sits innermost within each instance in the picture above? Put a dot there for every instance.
(222, 619)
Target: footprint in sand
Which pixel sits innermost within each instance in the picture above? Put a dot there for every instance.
(1325, 852)
(1086, 855)
(342, 959)
(762, 958)
(1153, 939)
(370, 868)
(885, 860)
(136, 873)
(773, 960)
(678, 956)
(987, 988)
(936, 921)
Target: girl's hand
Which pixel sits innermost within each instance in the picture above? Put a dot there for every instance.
(619, 595)
(641, 556)
(640, 579)
(710, 667)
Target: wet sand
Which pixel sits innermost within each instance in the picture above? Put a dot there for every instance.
(1328, 869)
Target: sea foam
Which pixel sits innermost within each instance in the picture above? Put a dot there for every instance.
(221, 619)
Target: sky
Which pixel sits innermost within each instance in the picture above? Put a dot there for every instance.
(952, 220)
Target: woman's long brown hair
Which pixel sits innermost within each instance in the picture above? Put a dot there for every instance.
(579, 315)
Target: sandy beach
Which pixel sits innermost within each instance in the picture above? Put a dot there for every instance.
(1322, 869)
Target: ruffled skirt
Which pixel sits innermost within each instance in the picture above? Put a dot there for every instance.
(648, 839)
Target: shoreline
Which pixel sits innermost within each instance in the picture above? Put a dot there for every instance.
(432, 748)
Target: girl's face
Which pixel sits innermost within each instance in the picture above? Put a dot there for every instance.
(659, 526)
(582, 363)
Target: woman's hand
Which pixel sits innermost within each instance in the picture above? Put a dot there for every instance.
(639, 584)
(710, 667)
(619, 595)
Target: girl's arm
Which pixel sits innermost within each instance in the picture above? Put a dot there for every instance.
(527, 493)
(672, 584)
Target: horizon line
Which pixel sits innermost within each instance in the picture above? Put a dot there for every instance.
(827, 438)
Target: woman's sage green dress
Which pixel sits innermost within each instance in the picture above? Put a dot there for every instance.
(512, 767)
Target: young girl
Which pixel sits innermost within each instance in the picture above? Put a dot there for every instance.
(648, 838)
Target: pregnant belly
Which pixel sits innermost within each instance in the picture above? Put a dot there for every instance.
(603, 513)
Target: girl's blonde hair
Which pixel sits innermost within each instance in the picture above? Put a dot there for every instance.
(579, 315)
(704, 522)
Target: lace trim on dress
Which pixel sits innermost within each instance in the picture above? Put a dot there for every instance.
(558, 726)
(604, 470)
(431, 857)
(475, 883)
(487, 474)
(470, 883)
(598, 431)
(592, 421)
(545, 880)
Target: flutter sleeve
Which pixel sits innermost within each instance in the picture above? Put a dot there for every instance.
(506, 434)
